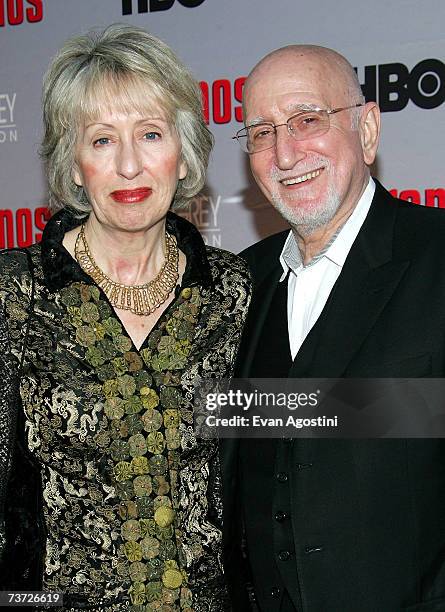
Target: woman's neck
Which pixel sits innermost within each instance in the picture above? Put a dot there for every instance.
(127, 258)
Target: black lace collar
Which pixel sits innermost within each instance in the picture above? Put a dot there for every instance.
(60, 269)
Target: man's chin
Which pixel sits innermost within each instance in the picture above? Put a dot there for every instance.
(308, 215)
(297, 214)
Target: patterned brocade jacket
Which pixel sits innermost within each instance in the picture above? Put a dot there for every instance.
(106, 493)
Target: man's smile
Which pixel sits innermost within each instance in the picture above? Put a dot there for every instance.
(302, 178)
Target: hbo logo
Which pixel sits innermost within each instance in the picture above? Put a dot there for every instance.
(155, 5)
(393, 85)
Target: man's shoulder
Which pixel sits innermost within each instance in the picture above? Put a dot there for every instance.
(430, 218)
(418, 230)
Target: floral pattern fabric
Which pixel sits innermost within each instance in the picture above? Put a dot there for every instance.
(131, 498)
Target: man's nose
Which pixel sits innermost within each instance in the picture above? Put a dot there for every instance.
(129, 160)
(288, 151)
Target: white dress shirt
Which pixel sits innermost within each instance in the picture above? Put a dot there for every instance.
(309, 286)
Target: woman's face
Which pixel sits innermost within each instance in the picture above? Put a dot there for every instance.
(129, 166)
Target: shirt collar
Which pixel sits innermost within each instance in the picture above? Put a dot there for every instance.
(340, 244)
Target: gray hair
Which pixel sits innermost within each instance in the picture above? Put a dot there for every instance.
(125, 67)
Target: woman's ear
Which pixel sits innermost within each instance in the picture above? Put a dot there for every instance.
(183, 169)
(76, 176)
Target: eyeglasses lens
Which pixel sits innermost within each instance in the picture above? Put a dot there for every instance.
(308, 125)
(304, 125)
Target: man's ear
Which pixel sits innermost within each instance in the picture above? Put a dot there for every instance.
(369, 128)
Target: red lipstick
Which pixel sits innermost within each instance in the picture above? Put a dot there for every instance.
(131, 196)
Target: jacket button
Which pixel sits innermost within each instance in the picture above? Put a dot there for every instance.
(280, 516)
(282, 477)
(284, 555)
(312, 549)
(304, 466)
(274, 592)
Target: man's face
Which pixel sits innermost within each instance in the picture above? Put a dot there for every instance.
(312, 181)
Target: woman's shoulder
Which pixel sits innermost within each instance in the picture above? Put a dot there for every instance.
(232, 283)
(18, 257)
(226, 262)
(15, 265)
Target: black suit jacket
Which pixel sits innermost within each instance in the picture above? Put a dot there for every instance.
(364, 526)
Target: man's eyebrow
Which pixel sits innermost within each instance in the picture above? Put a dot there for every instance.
(301, 107)
(257, 120)
(298, 106)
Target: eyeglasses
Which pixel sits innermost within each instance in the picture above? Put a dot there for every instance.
(302, 126)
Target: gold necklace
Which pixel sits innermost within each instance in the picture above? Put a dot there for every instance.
(142, 300)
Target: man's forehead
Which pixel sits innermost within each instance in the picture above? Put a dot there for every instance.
(276, 106)
(291, 73)
(301, 69)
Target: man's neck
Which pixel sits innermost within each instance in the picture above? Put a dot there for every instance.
(311, 244)
(311, 241)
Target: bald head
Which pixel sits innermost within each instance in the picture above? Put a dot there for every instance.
(324, 65)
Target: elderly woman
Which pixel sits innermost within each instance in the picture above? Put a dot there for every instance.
(106, 494)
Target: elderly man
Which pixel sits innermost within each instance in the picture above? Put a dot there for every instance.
(355, 289)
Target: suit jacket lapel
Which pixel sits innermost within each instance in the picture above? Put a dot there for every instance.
(366, 284)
